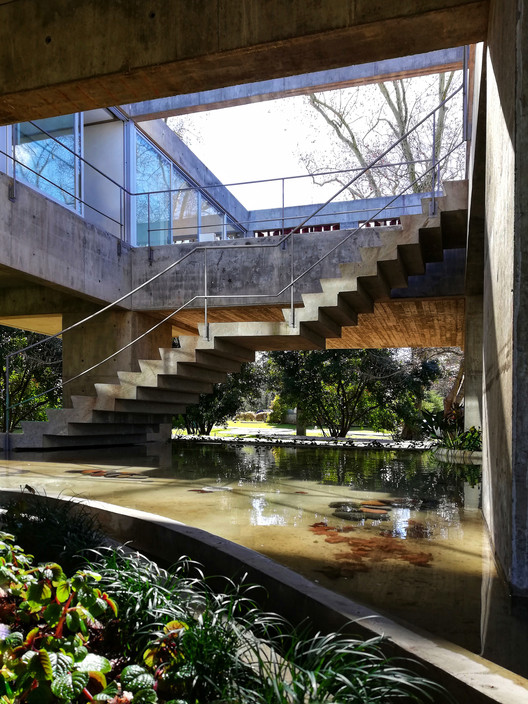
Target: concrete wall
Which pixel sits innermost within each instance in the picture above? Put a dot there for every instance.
(92, 342)
(520, 310)
(241, 267)
(503, 486)
(45, 242)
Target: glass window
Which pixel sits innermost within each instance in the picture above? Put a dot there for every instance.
(45, 153)
(169, 208)
(153, 177)
(211, 221)
(184, 209)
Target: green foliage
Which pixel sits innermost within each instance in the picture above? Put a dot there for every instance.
(447, 429)
(338, 389)
(224, 402)
(43, 653)
(52, 530)
(278, 410)
(202, 646)
(148, 595)
(31, 373)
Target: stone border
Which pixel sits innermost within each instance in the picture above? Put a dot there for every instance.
(468, 677)
(309, 441)
(458, 456)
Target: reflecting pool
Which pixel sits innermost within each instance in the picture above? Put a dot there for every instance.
(399, 531)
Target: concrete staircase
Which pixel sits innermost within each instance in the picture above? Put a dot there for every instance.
(137, 409)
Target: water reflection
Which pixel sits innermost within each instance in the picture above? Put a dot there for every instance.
(416, 554)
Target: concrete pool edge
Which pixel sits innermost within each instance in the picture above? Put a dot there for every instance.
(467, 676)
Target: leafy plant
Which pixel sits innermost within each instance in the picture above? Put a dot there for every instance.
(148, 595)
(337, 389)
(197, 646)
(52, 530)
(447, 429)
(34, 379)
(43, 653)
(224, 402)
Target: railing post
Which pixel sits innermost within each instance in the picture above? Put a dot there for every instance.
(206, 320)
(6, 412)
(432, 207)
(150, 252)
(292, 266)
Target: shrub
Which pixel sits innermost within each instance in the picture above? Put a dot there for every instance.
(246, 416)
(190, 644)
(278, 410)
(52, 530)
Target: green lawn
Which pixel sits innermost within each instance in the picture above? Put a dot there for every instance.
(253, 427)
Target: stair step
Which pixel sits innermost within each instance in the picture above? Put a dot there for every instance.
(83, 429)
(377, 287)
(227, 349)
(178, 383)
(412, 259)
(431, 243)
(359, 300)
(325, 326)
(216, 362)
(188, 370)
(454, 229)
(95, 440)
(394, 272)
(154, 393)
(125, 405)
(152, 420)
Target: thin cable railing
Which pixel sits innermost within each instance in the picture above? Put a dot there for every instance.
(205, 297)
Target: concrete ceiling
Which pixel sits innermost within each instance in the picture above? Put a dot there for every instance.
(60, 57)
(422, 322)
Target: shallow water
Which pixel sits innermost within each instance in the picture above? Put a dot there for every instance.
(425, 560)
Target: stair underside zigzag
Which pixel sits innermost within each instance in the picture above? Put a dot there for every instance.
(134, 410)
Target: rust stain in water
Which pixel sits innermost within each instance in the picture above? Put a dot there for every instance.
(362, 552)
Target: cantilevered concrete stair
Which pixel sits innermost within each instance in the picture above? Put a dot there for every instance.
(134, 410)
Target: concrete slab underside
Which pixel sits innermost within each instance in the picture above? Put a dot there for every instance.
(429, 322)
(171, 47)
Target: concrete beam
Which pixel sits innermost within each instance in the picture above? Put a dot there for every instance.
(44, 243)
(61, 57)
(362, 74)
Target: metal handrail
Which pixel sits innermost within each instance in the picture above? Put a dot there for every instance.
(237, 222)
(281, 240)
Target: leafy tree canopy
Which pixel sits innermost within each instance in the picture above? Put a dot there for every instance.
(225, 401)
(31, 373)
(337, 389)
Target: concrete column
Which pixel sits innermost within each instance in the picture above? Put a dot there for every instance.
(473, 363)
(505, 317)
(88, 344)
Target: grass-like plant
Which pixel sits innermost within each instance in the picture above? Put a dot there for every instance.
(52, 530)
(125, 631)
(221, 647)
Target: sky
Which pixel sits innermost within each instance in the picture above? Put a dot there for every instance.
(254, 142)
(264, 140)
